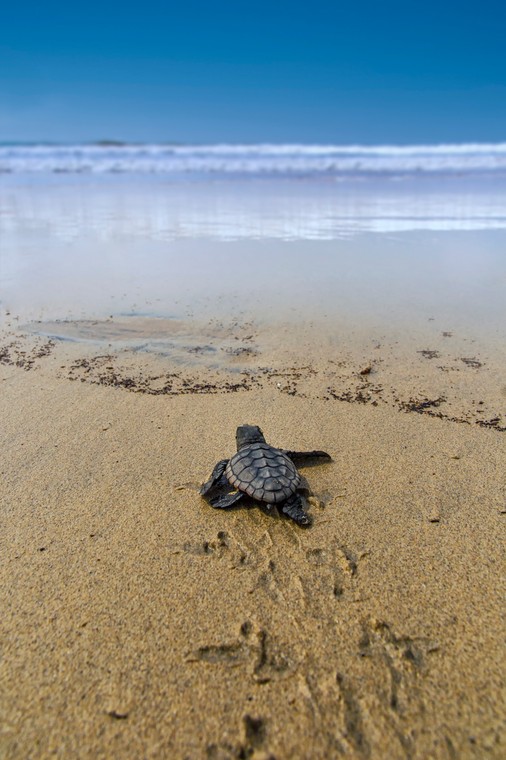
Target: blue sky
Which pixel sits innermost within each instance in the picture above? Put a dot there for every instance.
(319, 71)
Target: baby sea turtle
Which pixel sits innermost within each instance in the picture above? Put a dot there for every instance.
(266, 474)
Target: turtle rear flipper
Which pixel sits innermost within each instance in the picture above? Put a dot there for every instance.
(225, 501)
(293, 508)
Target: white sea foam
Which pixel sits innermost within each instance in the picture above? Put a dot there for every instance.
(264, 160)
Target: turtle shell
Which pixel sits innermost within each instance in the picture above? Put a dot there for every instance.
(264, 473)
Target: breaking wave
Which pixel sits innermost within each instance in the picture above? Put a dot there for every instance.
(264, 160)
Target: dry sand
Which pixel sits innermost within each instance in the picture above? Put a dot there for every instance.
(138, 622)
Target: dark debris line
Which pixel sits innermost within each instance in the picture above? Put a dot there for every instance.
(174, 384)
(14, 356)
(100, 370)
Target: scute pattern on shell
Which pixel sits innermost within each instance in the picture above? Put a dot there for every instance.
(264, 473)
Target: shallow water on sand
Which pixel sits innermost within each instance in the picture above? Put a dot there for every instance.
(370, 254)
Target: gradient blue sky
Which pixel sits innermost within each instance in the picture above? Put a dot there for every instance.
(319, 71)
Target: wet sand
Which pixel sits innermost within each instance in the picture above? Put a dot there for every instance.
(139, 622)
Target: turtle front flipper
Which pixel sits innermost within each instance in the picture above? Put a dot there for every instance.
(215, 478)
(301, 456)
(293, 508)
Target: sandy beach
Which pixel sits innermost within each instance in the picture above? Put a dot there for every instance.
(139, 622)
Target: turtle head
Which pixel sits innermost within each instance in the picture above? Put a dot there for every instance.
(248, 434)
